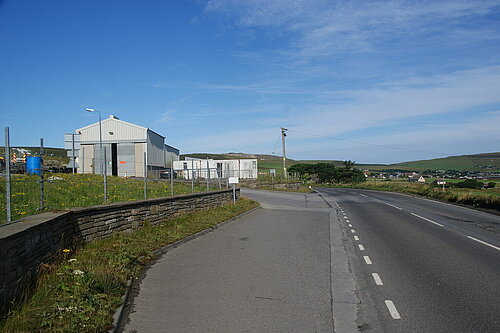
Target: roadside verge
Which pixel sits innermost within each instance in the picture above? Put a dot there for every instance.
(82, 291)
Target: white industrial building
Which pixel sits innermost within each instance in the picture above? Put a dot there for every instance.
(125, 146)
(199, 168)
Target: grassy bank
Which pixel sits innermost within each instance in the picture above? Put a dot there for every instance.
(64, 191)
(81, 293)
(486, 198)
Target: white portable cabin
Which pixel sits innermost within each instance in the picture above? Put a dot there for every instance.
(124, 145)
(199, 168)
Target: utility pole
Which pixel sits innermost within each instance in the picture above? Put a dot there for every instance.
(283, 135)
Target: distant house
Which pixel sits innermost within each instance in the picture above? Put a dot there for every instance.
(416, 178)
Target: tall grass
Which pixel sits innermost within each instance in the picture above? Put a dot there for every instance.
(81, 293)
(64, 191)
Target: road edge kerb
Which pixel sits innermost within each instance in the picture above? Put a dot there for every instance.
(133, 285)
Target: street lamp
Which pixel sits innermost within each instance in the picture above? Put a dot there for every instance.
(101, 155)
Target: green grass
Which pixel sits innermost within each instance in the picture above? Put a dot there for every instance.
(81, 293)
(77, 190)
(486, 198)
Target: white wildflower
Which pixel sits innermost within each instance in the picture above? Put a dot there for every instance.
(78, 272)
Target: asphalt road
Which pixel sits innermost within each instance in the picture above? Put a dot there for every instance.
(268, 271)
(420, 265)
(343, 261)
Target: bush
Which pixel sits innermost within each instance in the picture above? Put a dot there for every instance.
(490, 185)
(470, 183)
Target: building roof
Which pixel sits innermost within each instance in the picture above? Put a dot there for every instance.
(114, 119)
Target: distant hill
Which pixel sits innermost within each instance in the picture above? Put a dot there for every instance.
(58, 154)
(486, 162)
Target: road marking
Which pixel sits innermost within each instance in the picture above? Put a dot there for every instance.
(392, 309)
(361, 247)
(350, 225)
(483, 242)
(423, 218)
(347, 220)
(388, 204)
(363, 195)
(356, 238)
(378, 280)
(367, 260)
(352, 230)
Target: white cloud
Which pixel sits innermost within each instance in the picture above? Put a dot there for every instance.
(436, 95)
(320, 28)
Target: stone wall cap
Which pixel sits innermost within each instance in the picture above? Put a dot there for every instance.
(28, 222)
(131, 204)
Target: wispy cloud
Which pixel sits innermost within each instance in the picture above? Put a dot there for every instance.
(321, 28)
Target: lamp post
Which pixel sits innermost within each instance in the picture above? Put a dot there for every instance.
(101, 157)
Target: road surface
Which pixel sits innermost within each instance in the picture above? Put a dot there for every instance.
(420, 265)
(339, 260)
(268, 271)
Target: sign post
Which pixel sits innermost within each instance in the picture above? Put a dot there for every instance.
(233, 181)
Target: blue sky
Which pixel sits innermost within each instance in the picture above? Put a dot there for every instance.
(370, 81)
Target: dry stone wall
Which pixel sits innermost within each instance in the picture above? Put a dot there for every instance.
(38, 239)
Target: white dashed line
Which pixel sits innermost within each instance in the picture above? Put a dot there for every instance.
(361, 247)
(347, 220)
(356, 238)
(367, 260)
(352, 230)
(423, 218)
(392, 309)
(484, 243)
(388, 204)
(349, 225)
(378, 280)
(363, 195)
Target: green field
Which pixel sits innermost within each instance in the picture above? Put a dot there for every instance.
(65, 191)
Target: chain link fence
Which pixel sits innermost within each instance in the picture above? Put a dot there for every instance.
(23, 194)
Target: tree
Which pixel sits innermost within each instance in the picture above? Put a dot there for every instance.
(470, 183)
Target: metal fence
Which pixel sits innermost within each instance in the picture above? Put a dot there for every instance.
(22, 194)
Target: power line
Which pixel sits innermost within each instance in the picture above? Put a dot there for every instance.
(371, 144)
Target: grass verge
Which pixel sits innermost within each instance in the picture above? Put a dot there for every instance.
(82, 291)
(487, 198)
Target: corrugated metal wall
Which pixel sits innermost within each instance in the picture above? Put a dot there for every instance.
(155, 150)
(139, 149)
(113, 130)
(126, 159)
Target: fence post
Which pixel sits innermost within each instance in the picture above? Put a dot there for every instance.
(105, 178)
(7, 176)
(192, 176)
(145, 177)
(208, 176)
(42, 185)
(172, 179)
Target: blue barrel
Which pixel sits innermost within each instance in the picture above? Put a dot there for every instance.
(33, 165)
